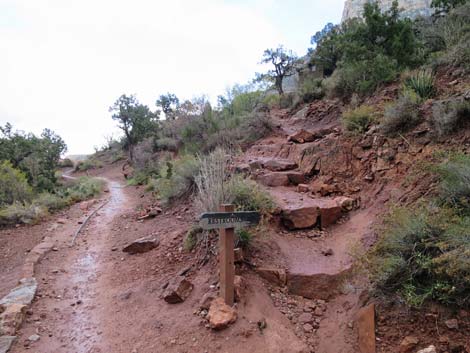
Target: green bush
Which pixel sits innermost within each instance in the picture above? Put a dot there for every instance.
(450, 115)
(423, 253)
(311, 89)
(66, 163)
(247, 195)
(177, 179)
(13, 185)
(243, 238)
(167, 144)
(401, 115)
(192, 238)
(422, 83)
(88, 164)
(359, 119)
(17, 213)
(84, 188)
(51, 202)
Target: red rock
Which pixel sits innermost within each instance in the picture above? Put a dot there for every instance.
(366, 329)
(305, 318)
(408, 344)
(207, 299)
(316, 286)
(178, 290)
(346, 203)
(273, 275)
(221, 315)
(279, 165)
(303, 188)
(300, 217)
(141, 246)
(329, 214)
(274, 179)
(302, 136)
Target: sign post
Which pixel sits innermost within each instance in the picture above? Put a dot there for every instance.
(227, 266)
(226, 220)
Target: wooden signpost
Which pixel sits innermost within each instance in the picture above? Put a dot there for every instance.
(226, 221)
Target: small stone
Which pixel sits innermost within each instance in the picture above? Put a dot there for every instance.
(141, 245)
(307, 328)
(408, 344)
(178, 290)
(305, 318)
(430, 349)
(452, 324)
(34, 338)
(328, 252)
(221, 315)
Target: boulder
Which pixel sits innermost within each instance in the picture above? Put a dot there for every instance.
(255, 165)
(296, 178)
(365, 323)
(303, 188)
(300, 217)
(221, 315)
(408, 344)
(177, 290)
(141, 245)
(316, 286)
(243, 168)
(302, 136)
(274, 179)
(346, 203)
(273, 275)
(324, 189)
(329, 214)
(279, 165)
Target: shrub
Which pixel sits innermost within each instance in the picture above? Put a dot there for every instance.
(247, 195)
(455, 181)
(17, 213)
(311, 89)
(192, 238)
(177, 179)
(51, 202)
(13, 185)
(423, 253)
(88, 164)
(84, 188)
(359, 119)
(211, 181)
(243, 238)
(401, 115)
(167, 144)
(422, 83)
(450, 115)
(66, 163)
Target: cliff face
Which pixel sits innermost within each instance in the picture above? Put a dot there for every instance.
(411, 8)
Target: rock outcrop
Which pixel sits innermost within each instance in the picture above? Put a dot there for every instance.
(411, 8)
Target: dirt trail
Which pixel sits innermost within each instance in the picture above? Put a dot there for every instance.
(70, 287)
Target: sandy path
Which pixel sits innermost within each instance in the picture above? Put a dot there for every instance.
(71, 291)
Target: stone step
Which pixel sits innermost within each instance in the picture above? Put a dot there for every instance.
(281, 178)
(300, 211)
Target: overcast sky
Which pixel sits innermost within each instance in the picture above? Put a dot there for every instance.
(64, 62)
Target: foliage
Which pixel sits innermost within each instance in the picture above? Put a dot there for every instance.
(247, 195)
(14, 186)
(446, 39)
(366, 53)
(311, 89)
(66, 163)
(37, 157)
(192, 237)
(444, 6)
(401, 115)
(169, 103)
(32, 210)
(422, 83)
(88, 164)
(359, 119)
(450, 115)
(243, 238)
(134, 119)
(177, 179)
(423, 253)
(283, 61)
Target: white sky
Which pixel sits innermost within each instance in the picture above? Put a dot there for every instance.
(64, 62)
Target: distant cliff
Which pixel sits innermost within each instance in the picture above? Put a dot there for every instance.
(411, 8)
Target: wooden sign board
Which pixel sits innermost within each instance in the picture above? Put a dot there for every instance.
(226, 220)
